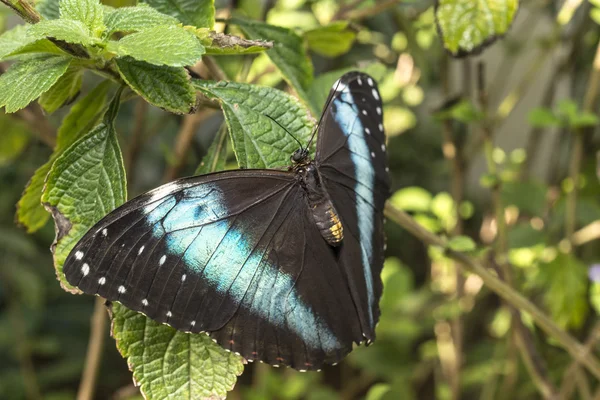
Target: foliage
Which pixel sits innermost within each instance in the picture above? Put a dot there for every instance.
(84, 145)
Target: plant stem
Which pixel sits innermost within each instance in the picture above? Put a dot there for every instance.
(572, 346)
(94, 351)
(568, 382)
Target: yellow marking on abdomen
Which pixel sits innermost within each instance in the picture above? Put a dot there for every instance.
(336, 229)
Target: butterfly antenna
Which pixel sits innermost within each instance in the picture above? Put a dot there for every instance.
(288, 132)
(316, 128)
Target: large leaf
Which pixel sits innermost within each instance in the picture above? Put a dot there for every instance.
(165, 87)
(258, 118)
(169, 364)
(88, 12)
(65, 30)
(13, 40)
(133, 19)
(199, 13)
(63, 91)
(467, 25)
(85, 182)
(27, 80)
(161, 45)
(82, 117)
(288, 53)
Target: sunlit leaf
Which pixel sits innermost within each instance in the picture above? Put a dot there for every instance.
(331, 40)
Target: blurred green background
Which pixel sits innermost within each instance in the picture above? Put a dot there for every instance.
(461, 156)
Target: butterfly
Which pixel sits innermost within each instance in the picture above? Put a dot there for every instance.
(280, 266)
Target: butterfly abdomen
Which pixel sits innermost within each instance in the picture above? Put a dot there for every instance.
(324, 213)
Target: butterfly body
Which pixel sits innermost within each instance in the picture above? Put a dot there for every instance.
(279, 266)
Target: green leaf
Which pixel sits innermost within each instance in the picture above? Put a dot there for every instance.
(412, 199)
(166, 87)
(82, 117)
(17, 41)
(466, 26)
(541, 117)
(88, 12)
(168, 364)
(463, 111)
(287, 54)
(133, 19)
(564, 282)
(584, 119)
(66, 30)
(49, 9)
(331, 40)
(63, 91)
(258, 141)
(199, 13)
(217, 43)
(462, 244)
(161, 45)
(26, 80)
(85, 182)
(216, 156)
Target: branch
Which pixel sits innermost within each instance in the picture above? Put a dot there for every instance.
(94, 351)
(576, 350)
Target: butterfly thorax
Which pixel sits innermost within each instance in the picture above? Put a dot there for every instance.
(324, 214)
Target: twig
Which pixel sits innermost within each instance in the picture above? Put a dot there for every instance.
(94, 351)
(511, 296)
(184, 138)
(568, 382)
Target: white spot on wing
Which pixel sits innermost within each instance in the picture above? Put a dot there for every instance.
(169, 314)
(145, 302)
(193, 323)
(140, 250)
(79, 255)
(370, 81)
(102, 281)
(122, 289)
(373, 154)
(383, 147)
(378, 110)
(85, 269)
(364, 112)
(183, 277)
(162, 260)
(359, 81)
(387, 169)
(381, 127)
(375, 94)
(104, 232)
(368, 131)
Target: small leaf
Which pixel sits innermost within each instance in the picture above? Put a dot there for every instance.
(412, 199)
(199, 13)
(167, 363)
(287, 54)
(63, 91)
(49, 9)
(166, 87)
(463, 111)
(258, 141)
(65, 30)
(16, 41)
(216, 155)
(462, 244)
(134, 19)
(221, 44)
(88, 12)
(160, 45)
(26, 80)
(584, 119)
(331, 40)
(82, 117)
(467, 26)
(85, 182)
(541, 117)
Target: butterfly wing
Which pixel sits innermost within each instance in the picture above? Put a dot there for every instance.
(352, 159)
(234, 254)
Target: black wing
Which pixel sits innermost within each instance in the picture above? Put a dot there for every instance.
(235, 254)
(352, 159)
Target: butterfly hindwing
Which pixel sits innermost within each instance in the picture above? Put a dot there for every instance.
(235, 254)
(351, 156)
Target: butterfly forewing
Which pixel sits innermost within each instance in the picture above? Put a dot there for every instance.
(352, 158)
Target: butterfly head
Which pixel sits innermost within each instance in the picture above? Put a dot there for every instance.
(300, 157)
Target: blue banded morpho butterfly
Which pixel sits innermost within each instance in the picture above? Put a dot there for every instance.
(281, 266)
